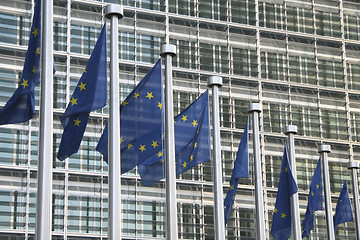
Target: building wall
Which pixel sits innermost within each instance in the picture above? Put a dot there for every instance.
(299, 59)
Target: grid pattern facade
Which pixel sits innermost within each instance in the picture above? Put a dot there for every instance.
(298, 58)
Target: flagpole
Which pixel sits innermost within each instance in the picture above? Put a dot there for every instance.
(291, 130)
(354, 166)
(323, 150)
(45, 163)
(114, 12)
(215, 82)
(255, 109)
(167, 52)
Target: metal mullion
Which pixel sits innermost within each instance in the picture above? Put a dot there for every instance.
(193, 219)
(202, 215)
(68, 49)
(287, 62)
(316, 68)
(167, 40)
(28, 179)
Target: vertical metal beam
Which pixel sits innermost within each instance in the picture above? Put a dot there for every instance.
(45, 163)
(290, 131)
(215, 82)
(114, 12)
(167, 52)
(255, 109)
(354, 166)
(324, 150)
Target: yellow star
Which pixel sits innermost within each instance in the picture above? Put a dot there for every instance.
(77, 122)
(37, 51)
(129, 145)
(159, 105)
(184, 118)
(82, 86)
(160, 154)
(142, 148)
(312, 194)
(286, 169)
(149, 95)
(283, 215)
(194, 123)
(85, 70)
(121, 140)
(162, 161)
(275, 210)
(25, 83)
(124, 103)
(154, 144)
(136, 95)
(233, 197)
(317, 186)
(35, 32)
(195, 145)
(191, 157)
(73, 101)
(34, 70)
(232, 187)
(184, 165)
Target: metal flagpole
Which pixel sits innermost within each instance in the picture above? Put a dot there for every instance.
(167, 52)
(215, 82)
(255, 109)
(114, 12)
(45, 164)
(354, 166)
(324, 149)
(291, 130)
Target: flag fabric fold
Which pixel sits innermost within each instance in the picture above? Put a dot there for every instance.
(192, 143)
(90, 94)
(314, 201)
(141, 115)
(21, 106)
(343, 212)
(281, 225)
(241, 170)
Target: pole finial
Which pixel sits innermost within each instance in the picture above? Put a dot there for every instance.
(353, 164)
(114, 9)
(291, 129)
(255, 107)
(215, 80)
(168, 49)
(324, 148)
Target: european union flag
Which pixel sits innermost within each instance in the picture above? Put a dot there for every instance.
(315, 201)
(192, 142)
(241, 169)
(343, 212)
(281, 225)
(141, 115)
(21, 106)
(89, 94)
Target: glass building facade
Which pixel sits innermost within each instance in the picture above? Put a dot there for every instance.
(298, 58)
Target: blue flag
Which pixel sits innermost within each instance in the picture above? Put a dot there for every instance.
(90, 94)
(21, 106)
(241, 169)
(141, 115)
(315, 201)
(281, 225)
(343, 212)
(192, 142)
